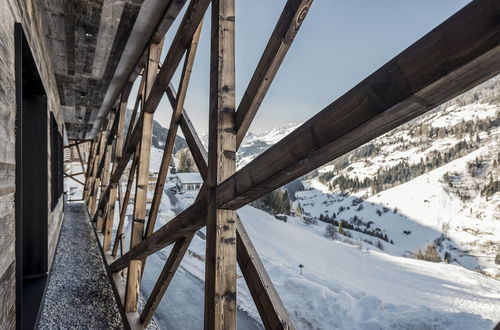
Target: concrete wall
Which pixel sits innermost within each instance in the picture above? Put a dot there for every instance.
(26, 12)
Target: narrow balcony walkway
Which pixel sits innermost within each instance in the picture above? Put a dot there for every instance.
(79, 294)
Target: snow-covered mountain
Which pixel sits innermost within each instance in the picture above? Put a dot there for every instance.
(256, 143)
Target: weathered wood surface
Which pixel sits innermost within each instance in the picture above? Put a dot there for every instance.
(141, 191)
(89, 169)
(96, 182)
(117, 152)
(123, 210)
(456, 56)
(71, 176)
(286, 29)
(104, 167)
(268, 303)
(80, 158)
(166, 276)
(220, 261)
(172, 132)
(184, 36)
(195, 145)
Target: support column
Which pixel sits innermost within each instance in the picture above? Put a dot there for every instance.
(118, 149)
(141, 190)
(220, 269)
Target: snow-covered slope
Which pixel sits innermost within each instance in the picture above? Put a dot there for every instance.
(346, 287)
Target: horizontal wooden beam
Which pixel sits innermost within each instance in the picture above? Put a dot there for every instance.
(459, 54)
(456, 56)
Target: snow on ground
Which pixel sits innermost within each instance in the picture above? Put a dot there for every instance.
(416, 213)
(345, 287)
(474, 111)
(431, 205)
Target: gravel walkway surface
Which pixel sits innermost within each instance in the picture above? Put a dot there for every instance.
(79, 295)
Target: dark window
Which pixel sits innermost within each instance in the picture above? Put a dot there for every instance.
(31, 197)
(56, 162)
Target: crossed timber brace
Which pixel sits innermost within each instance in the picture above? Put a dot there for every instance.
(459, 54)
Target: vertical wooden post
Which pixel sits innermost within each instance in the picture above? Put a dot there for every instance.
(124, 206)
(220, 271)
(97, 180)
(172, 131)
(92, 173)
(105, 172)
(108, 223)
(141, 189)
(79, 153)
(88, 172)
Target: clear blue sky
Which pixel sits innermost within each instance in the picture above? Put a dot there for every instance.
(338, 45)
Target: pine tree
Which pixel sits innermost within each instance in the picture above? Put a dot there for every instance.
(341, 230)
(173, 170)
(185, 162)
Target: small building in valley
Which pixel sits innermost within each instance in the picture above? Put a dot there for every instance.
(189, 181)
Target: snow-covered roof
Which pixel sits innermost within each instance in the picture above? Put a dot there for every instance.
(185, 178)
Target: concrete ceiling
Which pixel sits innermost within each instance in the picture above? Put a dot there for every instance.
(87, 39)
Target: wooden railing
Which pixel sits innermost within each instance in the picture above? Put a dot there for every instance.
(456, 56)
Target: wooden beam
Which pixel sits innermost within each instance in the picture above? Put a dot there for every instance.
(92, 169)
(220, 262)
(105, 170)
(456, 56)
(90, 161)
(172, 132)
(182, 40)
(74, 144)
(80, 158)
(141, 188)
(138, 101)
(281, 39)
(110, 137)
(73, 174)
(197, 149)
(72, 178)
(97, 180)
(166, 275)
(268, 303)
(118, 149)
(171, 14)
(123, 211)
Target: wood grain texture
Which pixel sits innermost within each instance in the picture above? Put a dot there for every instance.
(456, 56)
(220, 261)
(195, 145)
(182, 40)
(141, 191)
(166, 276)
(172, 132)
(268, 303)
(117, 152)
(123, 210)
(281, 39)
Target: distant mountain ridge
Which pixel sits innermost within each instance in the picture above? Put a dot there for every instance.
(160, 135)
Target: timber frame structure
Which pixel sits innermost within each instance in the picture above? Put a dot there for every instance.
(457, 55)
